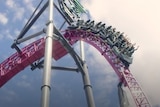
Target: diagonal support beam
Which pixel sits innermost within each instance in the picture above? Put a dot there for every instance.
(30, 37)
(68, 47)
(68, 21)
(23, 32)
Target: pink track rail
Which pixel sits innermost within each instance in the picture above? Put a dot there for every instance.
(34, 51)
(123, 74)
(29, 54)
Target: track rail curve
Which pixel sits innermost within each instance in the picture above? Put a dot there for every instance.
(35, 51)
(119, 67)
(29, 54)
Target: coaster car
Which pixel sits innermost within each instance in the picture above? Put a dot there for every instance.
(120, 45)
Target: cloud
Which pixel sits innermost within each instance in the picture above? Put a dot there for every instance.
(24, 84)
(4, 19)
(19, 13)
(29, 4)
(140, 21)
(16, 8)
(9, 95)
(10, 3)
(8, 34)
(1, 36)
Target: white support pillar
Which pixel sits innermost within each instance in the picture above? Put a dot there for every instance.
(45, 100)
(86, 79)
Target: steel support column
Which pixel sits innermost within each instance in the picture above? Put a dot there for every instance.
(45, 100)
(86, 79)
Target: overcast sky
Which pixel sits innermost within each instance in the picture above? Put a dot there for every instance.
(138, 19)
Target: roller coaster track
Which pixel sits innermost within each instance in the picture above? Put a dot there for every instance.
(85, 31)
(118, 66)
(29, 54)
(35, 51)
